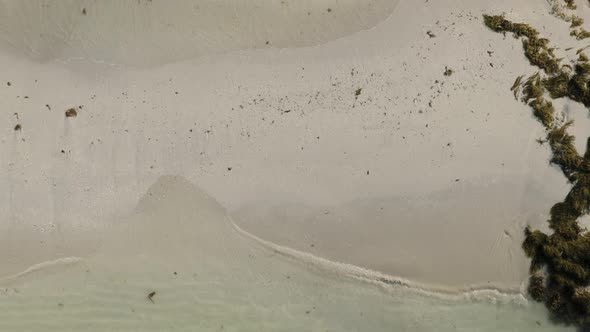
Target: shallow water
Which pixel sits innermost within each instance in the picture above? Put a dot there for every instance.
(209, 277)
(261, 301)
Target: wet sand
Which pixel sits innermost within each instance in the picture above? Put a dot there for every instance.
(177, 263)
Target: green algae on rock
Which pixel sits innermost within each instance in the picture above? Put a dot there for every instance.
(560, 262)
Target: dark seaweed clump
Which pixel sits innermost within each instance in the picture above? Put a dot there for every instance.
(571, 4)
(535, 48)
(560, 262)
(71, 113)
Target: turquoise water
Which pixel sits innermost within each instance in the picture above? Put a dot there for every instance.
(210, 277)
(266, 293)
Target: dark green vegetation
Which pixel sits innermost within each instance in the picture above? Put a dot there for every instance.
(448, 71)
(71, 113)
(570, 4)
(560, 262)
(580, 33)
(535, 48)
(151, 296)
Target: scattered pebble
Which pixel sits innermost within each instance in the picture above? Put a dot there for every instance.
(448, 71)
(151, 296)
(71, 113)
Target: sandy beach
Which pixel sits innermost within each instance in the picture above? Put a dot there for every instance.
(381, 135)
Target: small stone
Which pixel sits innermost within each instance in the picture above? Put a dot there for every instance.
(71, 113)
(151, 296)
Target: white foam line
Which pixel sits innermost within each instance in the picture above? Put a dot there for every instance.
(64, 261)
(388, 282)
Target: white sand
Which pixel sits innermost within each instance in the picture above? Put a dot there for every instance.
(369, 180)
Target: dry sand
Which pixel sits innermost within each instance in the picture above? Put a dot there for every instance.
(342, 137)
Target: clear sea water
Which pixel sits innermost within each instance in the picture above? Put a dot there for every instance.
(207, 275)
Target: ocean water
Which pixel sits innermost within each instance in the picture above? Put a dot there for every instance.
(207, 275)
(256, 300)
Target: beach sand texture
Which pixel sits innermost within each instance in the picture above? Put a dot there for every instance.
(327, 130)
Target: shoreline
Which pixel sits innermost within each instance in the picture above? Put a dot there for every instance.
(414, 237)
(486, 293)
(287, 125)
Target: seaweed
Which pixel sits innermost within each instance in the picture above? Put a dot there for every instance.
(576, 21)
(499, 24)
(535, 48)
(448, 71)
(580, 33)
(516, 86)
(560, 261)
(537, 287)
(564, 151)
(540, 55)
(570, 4)
(543, 110)
(557, 85)
(151, 295)
(557, 10)
(71, 113)
(532, 88)
(517, 83)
